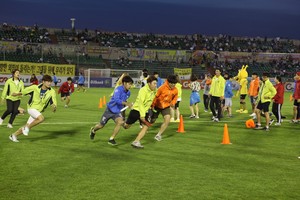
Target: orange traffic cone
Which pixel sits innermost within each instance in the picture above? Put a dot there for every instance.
(181, 126)
(104, 100)
(100, 103)
(226, 139)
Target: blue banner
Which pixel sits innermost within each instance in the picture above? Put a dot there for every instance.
(101, 82)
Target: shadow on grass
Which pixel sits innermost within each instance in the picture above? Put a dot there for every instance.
(54, 134)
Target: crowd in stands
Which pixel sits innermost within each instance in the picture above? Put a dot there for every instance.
(32, 39)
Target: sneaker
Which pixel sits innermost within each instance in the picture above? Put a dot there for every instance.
(216, 119)
(192, 116)
(177, 120)
(213, 118)
(244, 111)
(252, 115)
(13, 138)
(158, 137)
(66, 106)
(266, 128)
(172, 120)
(112, 142)
(277, 124)
(281, 120)
(205, 110)
(271, 122)
(197, 117)
(25, 130)
(1, 121)
(137, 145)
(294, 121)
(258, 127)
(9, 126)
(92, 133)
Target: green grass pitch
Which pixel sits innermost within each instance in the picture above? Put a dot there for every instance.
(58, 160)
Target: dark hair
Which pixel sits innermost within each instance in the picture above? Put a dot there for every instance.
(172, 79)
(155, 73)
(278, 78)
(145, 70)
(265, 74)
(47, 78)
(69, 79)
(194, 77)
(14, 71)
(127, 79)
(151, 78)
(254, 73)
(145, 74)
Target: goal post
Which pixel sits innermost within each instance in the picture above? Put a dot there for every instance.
(108, 76)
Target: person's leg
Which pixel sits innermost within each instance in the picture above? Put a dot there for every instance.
(192, 111)
(119, 122)
(258, 117)
(141, 134)
(218, 105)
(15, 111)
(164, 124)
(196, 110)
(68, 99)
(172, 113)
(267, 119)
(275, 110)
(212, 106)
(9, 109)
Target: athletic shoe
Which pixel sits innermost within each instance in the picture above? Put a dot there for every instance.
(271, 122)
(9, 126)
(252, 115)
(294, 121)
(1, 121)
(216, 119)
(266, 128)
(13, 138)
(205, 110)
(92, 133)
(137, 145)
(277, 124)
(172, 120)
(192, 116)
(112, 142)
(25, 130)
(281, 120)
(158, 137)
(258, 127)
(66, 106)
(197, 117)
(244, 111)
(177, 120)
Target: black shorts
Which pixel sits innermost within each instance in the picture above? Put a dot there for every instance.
(134, 116)
(177, 104)
(296, 104)
(263, 106)
(243, 96)
(64, 94)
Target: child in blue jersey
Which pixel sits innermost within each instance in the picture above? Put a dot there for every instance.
(113, 110)
(228, 95)
(81, 82)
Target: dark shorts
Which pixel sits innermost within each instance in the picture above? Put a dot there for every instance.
(134, 116)
(65, 94)
(157, 111)
(80, 84)
(55, 83)
(263, 106)
(253, 99)
(177, 104)
(243, 96)
(296, 104)
(107, 115)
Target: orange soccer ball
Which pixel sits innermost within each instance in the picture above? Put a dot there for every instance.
(250, 123)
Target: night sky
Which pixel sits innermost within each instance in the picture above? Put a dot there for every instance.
(271, 18)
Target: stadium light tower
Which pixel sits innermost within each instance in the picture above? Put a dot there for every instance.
(73, 23)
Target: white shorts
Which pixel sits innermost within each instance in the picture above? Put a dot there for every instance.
(34, 113)
(228, 102)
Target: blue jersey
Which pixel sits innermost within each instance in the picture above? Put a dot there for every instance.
(228, 89)
(54, 79)
(80, 80)
(159, 82)
(120, 95)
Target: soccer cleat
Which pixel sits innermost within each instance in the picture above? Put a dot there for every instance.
(13, 138)
(25, 130)
(112, 142)
(271, 122)
(158, 137)
(9, 126)
(137, 145)
(258, 127)
(92, 133)
(277, 124)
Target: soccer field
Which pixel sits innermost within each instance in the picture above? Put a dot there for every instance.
(59, 161)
